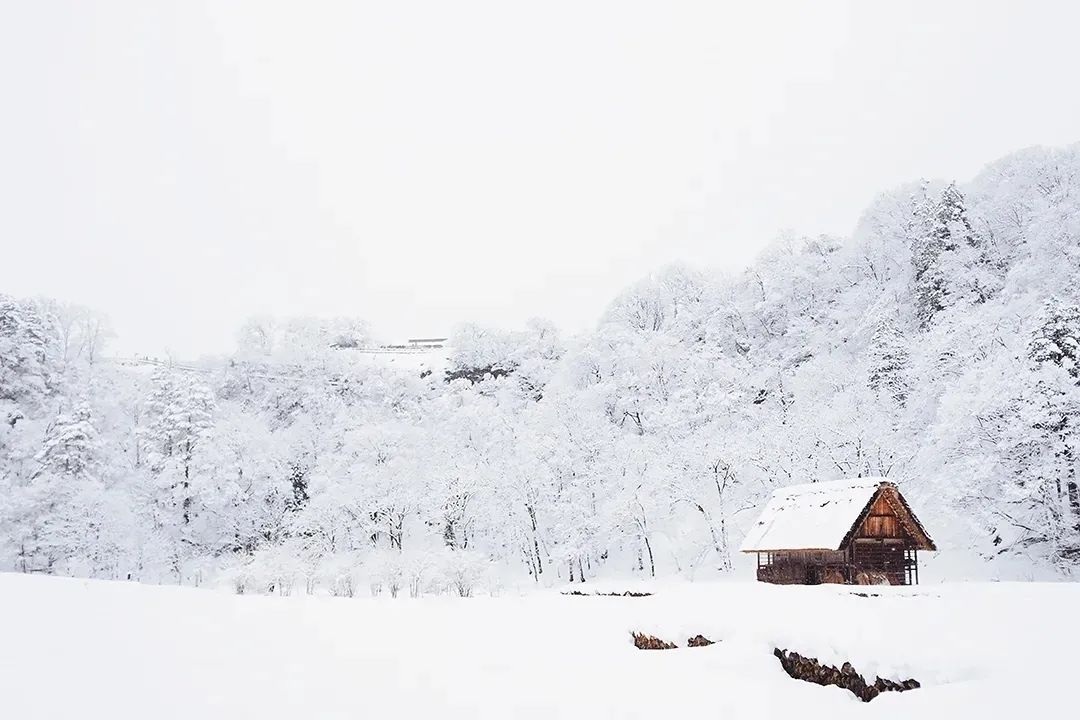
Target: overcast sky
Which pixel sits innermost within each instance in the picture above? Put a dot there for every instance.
(184, 165)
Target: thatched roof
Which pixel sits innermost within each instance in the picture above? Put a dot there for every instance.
(826, 515)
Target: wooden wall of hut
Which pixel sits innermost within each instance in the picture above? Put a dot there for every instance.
(802, 567)
(882, 522)
(883, 556)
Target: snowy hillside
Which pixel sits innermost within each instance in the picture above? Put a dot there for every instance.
(937, 346)
(120, 650)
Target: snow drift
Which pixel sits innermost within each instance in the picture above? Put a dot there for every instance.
(96, 649)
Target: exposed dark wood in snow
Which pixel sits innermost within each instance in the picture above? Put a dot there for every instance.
(651, 642)
(643, 641)
(699, 641)
(847, 677)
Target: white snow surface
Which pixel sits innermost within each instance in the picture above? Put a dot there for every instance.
(811, 516)
(110, 650)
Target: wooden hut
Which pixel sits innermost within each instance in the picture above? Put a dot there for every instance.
(849, 531)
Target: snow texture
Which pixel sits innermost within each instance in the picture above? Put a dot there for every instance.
(813, 516)
(123, 651)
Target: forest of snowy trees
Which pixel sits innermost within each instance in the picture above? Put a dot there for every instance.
(938, 346)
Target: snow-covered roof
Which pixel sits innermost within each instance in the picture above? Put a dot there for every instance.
(814, 516)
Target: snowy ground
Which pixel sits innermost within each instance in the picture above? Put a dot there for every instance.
(114, 651)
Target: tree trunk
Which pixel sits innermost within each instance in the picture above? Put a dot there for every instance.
(186, 485)
(725, 555)
(1074, 501)
(530, 565)
(397, 530)
(652, 563)
(712, 530)
(536, 543)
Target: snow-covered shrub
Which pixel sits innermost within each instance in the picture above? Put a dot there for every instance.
(464, 571)
(385, 571)
(276, 570)
(341, 573)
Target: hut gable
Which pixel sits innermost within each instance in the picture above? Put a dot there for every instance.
(830, 515)
(889, 517)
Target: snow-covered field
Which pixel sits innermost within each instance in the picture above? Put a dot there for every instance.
(93, 649)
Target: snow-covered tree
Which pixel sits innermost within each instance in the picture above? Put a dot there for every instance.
(179, 415)
(1057, 338)
(60, 518)
(29, 355)
(888, 359)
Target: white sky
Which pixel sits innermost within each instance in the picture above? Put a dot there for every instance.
(183, 165)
